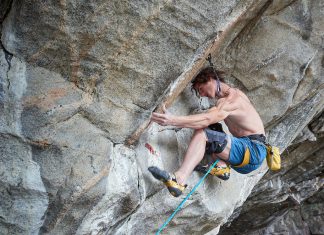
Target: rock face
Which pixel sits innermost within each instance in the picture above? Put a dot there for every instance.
(79, 80)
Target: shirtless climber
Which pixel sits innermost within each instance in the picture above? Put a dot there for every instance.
(244, 150)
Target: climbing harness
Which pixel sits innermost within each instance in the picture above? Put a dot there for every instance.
(246, 159)
(186, 198)
(218, 89)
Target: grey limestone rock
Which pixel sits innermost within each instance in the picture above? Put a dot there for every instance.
(79, 78)
(23, 197)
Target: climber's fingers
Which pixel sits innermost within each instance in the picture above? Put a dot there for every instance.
(162, 118)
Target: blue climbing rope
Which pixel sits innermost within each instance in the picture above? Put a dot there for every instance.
(184, 200)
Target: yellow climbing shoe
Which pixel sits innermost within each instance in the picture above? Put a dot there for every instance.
(173, 186)
(222, 172)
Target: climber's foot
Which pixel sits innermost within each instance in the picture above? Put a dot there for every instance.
(222, 172)
(173, 186)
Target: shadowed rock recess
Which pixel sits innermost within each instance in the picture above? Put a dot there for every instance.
(79, 80)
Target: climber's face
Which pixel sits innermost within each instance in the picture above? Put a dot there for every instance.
(206, 89)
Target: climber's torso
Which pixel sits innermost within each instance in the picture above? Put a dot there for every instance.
(244, 119)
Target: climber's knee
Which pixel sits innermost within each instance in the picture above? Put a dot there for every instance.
(216, 141)
(200, 133)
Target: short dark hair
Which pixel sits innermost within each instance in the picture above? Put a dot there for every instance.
(204, 75)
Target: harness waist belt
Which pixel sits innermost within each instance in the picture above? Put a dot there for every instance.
(259, 137)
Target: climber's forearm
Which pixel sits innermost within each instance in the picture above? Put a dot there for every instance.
(196, 121)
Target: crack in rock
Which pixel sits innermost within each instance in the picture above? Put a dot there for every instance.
(8, 57)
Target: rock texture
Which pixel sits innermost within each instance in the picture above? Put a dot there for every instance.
(79, 80)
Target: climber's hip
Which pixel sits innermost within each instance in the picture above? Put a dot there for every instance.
(246, 154)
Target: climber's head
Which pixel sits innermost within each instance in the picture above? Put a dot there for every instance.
(204, 84)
